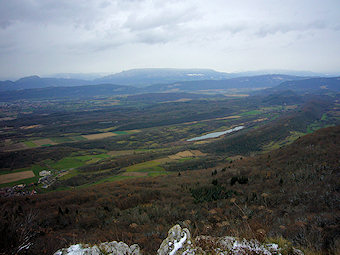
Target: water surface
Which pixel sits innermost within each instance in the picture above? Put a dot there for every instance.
(215, 134)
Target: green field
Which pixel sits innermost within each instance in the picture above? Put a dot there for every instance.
(69, 175)
(78, 138)
(67, 163)
(276, 145)
(254, 112)
(76, 161)
(185, 159)
(91, 157)
(30, 144)
(61, 139)
(324, 116)
(120, 132)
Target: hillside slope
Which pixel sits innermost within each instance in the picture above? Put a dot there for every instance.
(245, 142)
(291, 192)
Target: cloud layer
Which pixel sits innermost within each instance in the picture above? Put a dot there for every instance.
(48, 36)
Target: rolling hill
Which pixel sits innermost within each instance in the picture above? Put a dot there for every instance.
(48, 88)
(87, 91)
(32, 82)
(318, 85)
(250, 83)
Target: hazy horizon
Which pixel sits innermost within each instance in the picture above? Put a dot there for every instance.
(95, 75)
(44, 37)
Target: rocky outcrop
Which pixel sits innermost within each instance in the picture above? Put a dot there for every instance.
(179, 242)
(113, 248)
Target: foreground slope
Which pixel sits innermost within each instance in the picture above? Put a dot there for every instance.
(291, 192)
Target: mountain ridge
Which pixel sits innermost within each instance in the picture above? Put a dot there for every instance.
(148, 76)
(137, 77)
(109, 89)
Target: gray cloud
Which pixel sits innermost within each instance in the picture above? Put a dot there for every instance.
(188, 33)
(160, 17)
(283, 28)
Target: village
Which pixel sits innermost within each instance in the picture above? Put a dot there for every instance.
(18, 190)
(46, 180)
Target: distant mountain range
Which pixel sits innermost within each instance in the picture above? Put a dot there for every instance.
(149, 76)
(135, 77)
(167, 81)
(250, 82)
(33, 82)
(78, 92)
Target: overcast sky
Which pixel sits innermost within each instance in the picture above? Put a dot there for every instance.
(55, 36)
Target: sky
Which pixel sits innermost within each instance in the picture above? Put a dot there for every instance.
(43, 37)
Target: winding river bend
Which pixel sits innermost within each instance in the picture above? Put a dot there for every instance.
(215, 134)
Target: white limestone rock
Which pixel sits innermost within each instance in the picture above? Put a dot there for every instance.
(178, 242)
(108, 248)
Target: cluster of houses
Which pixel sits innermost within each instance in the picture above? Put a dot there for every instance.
(18, 190)
(47, 178)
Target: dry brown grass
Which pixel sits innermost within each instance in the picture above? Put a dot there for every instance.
(7, 118)
(98, 136)
(229, 117)
(30, 127)
(179, 100)
(185, 154)
(15, 147)
(261, 119)
(6, 178)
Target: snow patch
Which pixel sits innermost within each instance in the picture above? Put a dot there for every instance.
(75, 249)
(178, 245)
(195, 74)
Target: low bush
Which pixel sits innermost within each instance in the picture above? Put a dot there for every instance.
(210, 193)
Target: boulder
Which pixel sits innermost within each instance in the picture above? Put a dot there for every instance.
(107, 248)
(179, 242)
